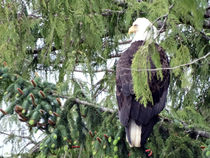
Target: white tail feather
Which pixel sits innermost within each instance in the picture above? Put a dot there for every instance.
(135, 134)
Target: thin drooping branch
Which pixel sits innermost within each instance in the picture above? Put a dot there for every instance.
(145, 69)
(171, 68)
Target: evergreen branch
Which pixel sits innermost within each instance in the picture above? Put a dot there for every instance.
(101, 70)
(99, 88)
(164, 21)
(14, 135)
(201, 133)
(207, 13)
(206, 24)
(38, 51)
(85, 103)
(36, 147)
(198, 132)
(124, 42)
(109, 12)
(21, 150)
(114, 55)
(33, 16)
(172, 68)
(164, 16)
(204, 35)
(104, 109)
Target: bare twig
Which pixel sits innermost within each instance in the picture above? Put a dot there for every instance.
(165, 20)
(124, 42)
(164, 16)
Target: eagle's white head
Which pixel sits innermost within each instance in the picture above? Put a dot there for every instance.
(143, 30)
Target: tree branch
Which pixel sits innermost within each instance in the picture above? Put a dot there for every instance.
(101, 70)
(206, 24)
(124, 42)
(21, 150)
(14, 135)
(109, 12)
(38, 51)
(85, 103)
(171, 68)
(202, 133)
(114, 55)
(198, 132)
(207, 13)
(163, 24)
(104, 109)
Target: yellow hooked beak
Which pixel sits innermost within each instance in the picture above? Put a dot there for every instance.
(132, 29)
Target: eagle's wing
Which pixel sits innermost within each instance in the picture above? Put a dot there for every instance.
(124, 95)
(124, 91)
(143, 115)
(129, 108)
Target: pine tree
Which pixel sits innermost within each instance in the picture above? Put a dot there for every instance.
(78, 118)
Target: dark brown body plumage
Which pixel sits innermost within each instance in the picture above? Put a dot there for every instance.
(129, 108)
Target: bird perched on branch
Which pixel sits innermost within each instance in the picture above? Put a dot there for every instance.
(137, 118)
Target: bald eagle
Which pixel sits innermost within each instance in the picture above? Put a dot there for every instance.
(137, 119)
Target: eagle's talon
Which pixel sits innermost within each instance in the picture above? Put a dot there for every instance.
(150, 154)
(149, 151)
